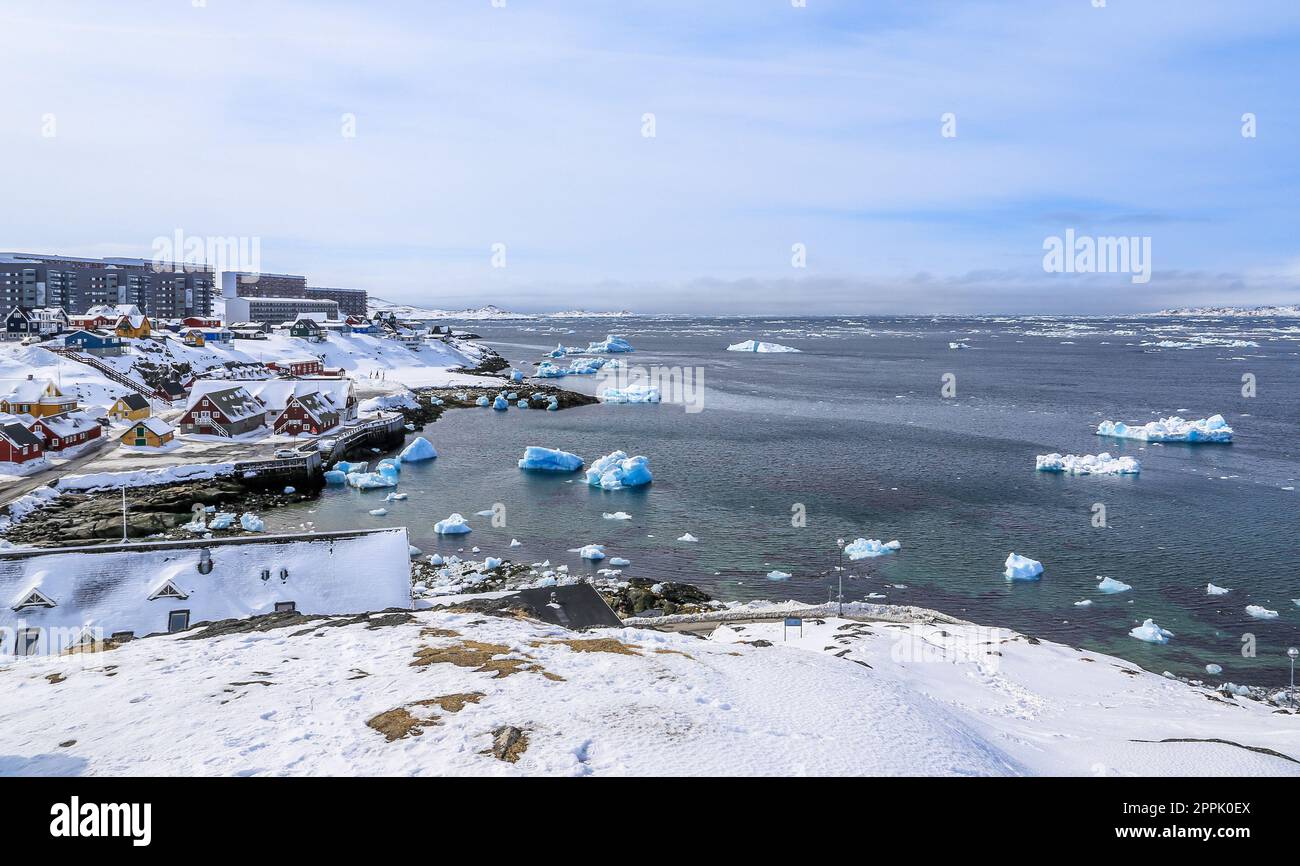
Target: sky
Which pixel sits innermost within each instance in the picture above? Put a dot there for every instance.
(855, 157)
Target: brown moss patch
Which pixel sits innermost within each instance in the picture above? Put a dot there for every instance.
(593, 645)
(673, 652)
(398, 723)
(508, 744)
(482, 657)
(439, 632)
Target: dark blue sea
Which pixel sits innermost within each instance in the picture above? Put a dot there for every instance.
(856, 432)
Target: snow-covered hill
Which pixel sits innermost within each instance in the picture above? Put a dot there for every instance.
(1275, 311)
(429, 693)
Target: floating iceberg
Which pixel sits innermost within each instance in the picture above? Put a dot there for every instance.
(516, 376)
(866, 548)
(345, 467)
(1259, 612)
(756, 346)
(418, 449)
(395, 497)
(778, 575)
(616, 515)
(1172, 429)
(522, 404)
(514, 542)
(617, 471)
(501, 404)
(585, 366)
(1022, 568)
(1151, 633)
(491, 563)
(1088, 464)
(958, 346)
(371, 480)
(1211, 589)
(549, 460)
(1110, 586)
(554, 405)
(1087, 602)
(688, 537)
(593, 552)
(378, 512)
(611, 343)
(453, 525)
(481, 401)
(631, 394)
(547, 370)
(252, 523)
(336, 476)
(619, 562)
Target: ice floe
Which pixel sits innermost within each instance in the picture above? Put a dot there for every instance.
(452, 525)
(1151, 633)
(1171, 429)
(1211, 589)
(758, 346)
(867, 548)
(617, 471)
(1110, 586)
(549, 460)
(1260, 612)
(1087, 464)
(688, 537)
(631, 394)
(417, 449)
(1022, 568)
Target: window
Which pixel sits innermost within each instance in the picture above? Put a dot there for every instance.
(286, 606)
(178, 620)
(28, 643)
(168, 590)
(35, 598)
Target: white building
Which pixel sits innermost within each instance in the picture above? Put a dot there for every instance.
(54, 598)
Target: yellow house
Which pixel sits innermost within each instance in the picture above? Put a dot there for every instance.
(133, 326)
(39, 398)
(148, 433)
(130, 407)
(193, 337)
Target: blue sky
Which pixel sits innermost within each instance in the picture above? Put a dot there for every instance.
(775, 125)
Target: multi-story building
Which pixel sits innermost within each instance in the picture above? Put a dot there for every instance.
(160, 290)
(352, 302)
(278, 310)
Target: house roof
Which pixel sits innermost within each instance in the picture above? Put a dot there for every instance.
(235, 403)
(154, 424)
(17, 434)
(275, 393)
(172, 387)
(134, 401)
(68, 424)
(317, 406)
(25, 390)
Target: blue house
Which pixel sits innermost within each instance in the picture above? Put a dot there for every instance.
(95, 342)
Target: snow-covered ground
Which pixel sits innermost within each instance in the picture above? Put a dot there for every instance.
(843, 698)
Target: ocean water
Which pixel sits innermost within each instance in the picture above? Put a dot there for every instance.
(855, 433)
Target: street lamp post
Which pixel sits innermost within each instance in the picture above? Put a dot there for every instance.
(839, 542)
(1292, 654)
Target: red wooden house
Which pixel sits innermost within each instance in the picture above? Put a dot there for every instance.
(298, 366)
(307, 413)
(17, 444)
(58, 432)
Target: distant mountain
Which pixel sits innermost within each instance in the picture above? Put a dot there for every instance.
(1286, 310)
(490, 311)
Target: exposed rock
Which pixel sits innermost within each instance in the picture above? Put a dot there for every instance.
(508, 743)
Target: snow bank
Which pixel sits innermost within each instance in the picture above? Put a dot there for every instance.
(400, 400)
(453, 525)
(144, 477)
(1088, 464)
(631, 394)
(617, 471)
(1172, 429)
(418, 449)
(867, 548)
(1151, 633)
(549, 460)
(757, 346)
(1022, 568)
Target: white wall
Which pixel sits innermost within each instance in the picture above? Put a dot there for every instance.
(107, 587)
